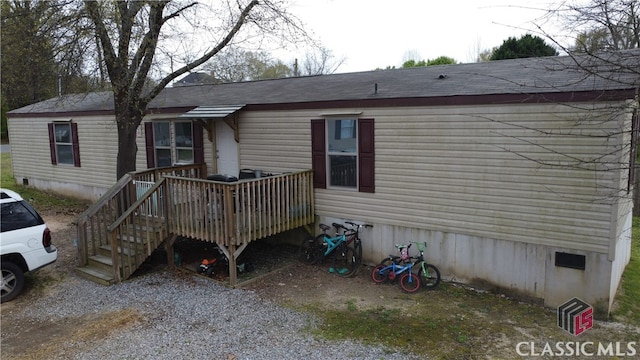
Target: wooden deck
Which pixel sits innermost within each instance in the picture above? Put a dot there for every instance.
(147, 209)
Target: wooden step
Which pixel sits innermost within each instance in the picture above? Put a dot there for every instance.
(101, 262)
(128, 249)
(140, 240)
(99, 266)
(143, 228)
(136, 250)
(97, 275)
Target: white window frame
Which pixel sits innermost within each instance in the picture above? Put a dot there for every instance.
(331, 133)
(59, 144)
(173, 147)
(176, 148)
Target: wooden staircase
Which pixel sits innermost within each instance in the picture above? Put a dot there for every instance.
(100, 266)
(123, 228)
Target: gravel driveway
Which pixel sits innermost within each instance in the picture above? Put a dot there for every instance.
(160, 315)
(168, 315)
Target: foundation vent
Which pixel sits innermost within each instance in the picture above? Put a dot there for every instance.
(573, 261)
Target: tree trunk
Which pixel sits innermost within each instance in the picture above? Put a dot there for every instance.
(127, 149)
(127, 119)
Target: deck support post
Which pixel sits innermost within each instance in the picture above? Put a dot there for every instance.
(233, 269)
(232, 254)
(168, 247)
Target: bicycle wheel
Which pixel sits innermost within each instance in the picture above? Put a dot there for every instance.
(310, 251)
(430, 278)
(410, 282)
(345, 261)
(379, 275)
(356, 258)
(387, 262)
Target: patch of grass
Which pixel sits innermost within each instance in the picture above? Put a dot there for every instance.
(39, 281)
(457, 322)
(431, 327)
(41, 200)
(351, 306)
(628, 298)
(6, 171)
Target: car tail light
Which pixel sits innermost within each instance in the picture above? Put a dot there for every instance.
(46, 238)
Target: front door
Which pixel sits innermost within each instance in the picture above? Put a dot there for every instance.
(227, 151)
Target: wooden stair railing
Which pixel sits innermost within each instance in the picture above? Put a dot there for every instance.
(121, 246)
(92, 224)
(96, 227)
(138, 231)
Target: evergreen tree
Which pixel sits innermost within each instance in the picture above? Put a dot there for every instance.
(524, 47)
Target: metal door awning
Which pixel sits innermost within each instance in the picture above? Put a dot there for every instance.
(211, 112)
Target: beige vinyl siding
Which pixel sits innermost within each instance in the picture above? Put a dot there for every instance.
(624, 204)
(98, 143)
(495, 172)
(526, 173)
(276, 141)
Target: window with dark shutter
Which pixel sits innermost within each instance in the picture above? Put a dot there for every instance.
(148, 138)
(172, 142)
(64, 145)
(52, 144)
(366, 155)
(343, 153)
(75, 143)
(318, 154)
(198, 144)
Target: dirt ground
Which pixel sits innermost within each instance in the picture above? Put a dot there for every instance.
(500, 322)
(277, 276)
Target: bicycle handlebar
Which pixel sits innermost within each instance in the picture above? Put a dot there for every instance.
(357, 225)
(339, 226)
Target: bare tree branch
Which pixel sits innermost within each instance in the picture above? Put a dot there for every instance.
(208, 55)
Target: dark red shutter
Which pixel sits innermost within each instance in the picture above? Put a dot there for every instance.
(198, 146)
(148, 138)
(52, 144)
(318, 154)
(366, 156)
(76, 144)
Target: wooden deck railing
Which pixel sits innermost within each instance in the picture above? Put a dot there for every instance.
(239, 212)
(234, 214)
(193, 171)
(144, 209)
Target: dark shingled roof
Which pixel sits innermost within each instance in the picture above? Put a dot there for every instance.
(612, 71)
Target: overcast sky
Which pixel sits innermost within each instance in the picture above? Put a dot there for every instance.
(372, 34)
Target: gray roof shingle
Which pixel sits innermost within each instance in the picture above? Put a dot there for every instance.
(614, 71)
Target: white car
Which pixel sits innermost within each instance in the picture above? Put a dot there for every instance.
(25, 243)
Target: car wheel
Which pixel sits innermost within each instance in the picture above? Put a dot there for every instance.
(12, 281)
